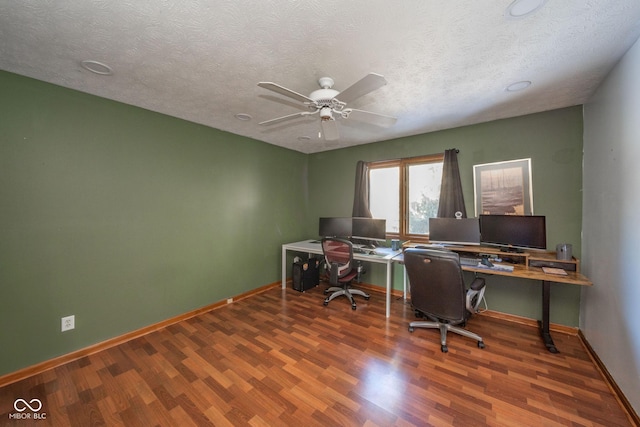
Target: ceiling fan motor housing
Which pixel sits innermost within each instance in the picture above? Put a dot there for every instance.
(324, 97)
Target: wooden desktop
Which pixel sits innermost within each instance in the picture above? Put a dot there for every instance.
(527, 265)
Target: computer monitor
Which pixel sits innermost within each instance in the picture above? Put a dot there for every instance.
(335, 227)
(454, 231)
(369, 229)
(514, 232)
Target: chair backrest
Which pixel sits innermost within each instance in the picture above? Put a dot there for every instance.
(338, 253)
(437, 283)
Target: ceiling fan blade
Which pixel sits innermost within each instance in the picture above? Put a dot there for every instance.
(286, 92)
(330, 130)
(285, 118)
(369, 117)
(368, 83)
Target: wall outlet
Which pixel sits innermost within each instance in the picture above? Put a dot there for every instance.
(229, 300)
(68, 323)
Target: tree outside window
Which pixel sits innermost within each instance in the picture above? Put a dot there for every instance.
(406, 193)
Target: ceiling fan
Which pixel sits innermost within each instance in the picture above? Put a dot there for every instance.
(328, 102)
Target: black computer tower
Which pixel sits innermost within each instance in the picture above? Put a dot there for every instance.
(306, 274)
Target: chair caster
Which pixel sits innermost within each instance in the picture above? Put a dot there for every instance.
(326, 302)
(410, 328)
(480, 344)
(326, 291)
(367, 297)
(444, 348)
(353, 306)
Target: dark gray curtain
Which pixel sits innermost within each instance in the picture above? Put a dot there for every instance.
(451, 197)
(361, 193)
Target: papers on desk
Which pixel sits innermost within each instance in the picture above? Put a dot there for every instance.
(556, 271)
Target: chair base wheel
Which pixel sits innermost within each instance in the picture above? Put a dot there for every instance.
(353, 306)
(326, 302)
(410, 328)
(480, 344)
(367, 297)
(444, 348)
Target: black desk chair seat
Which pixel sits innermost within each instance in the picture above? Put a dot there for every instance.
(438, 293)
(338, 254)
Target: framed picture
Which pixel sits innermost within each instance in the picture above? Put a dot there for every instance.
(503, 188)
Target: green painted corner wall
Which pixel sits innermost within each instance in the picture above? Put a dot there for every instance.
(553, 141)
(124, 217)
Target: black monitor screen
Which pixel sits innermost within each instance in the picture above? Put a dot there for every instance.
(335, 227)
(514, 231)
(369, 229)
(463, 231)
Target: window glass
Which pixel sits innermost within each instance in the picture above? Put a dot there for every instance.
(423, 195)
(406, 193)
(384, 197)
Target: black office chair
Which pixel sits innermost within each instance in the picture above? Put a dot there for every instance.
(438, 293)
(338, 253)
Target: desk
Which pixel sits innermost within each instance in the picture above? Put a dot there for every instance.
(382, 256)
(526, 271)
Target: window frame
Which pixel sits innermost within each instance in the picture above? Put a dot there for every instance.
(403, 190)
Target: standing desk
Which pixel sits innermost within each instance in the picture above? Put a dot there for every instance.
(381, 256)
(525, 270)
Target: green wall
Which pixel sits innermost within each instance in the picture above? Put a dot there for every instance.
(553, 141)
(125, 217)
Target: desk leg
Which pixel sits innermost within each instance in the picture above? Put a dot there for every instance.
(404, 283)
(284, 267)
(544, 324)
(389, 268)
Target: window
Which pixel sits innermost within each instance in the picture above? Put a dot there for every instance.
(406, 193)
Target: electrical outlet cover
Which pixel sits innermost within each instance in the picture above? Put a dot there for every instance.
(68, 323)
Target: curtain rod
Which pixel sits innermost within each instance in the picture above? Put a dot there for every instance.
(404, 158)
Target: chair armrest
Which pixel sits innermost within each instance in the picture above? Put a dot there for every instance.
(477, 284)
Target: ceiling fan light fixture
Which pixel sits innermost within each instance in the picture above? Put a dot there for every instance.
(326, 114)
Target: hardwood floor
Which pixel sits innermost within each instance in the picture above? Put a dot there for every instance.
(281, 358)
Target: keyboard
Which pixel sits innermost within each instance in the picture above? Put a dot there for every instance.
(469, 262)
(365, 251)
(476, 262)
(496, 267)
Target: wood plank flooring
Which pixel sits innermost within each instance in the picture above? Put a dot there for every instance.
(281, 358)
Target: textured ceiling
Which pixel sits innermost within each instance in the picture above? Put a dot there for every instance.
(447, 63)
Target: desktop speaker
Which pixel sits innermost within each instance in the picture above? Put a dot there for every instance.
(564, 252)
